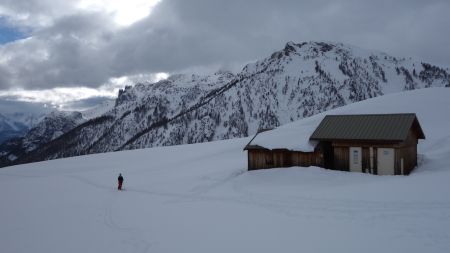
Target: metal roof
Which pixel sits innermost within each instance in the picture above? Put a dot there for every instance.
(371, 127)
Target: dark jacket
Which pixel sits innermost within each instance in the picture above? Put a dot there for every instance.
(120, 178)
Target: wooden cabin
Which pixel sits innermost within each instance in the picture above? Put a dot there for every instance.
(381, 144)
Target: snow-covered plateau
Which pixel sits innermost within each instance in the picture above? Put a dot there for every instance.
(201, 198)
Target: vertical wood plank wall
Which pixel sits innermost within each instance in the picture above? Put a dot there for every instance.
(341, 158)
(409, 155)
(264, 159)
(408, 151)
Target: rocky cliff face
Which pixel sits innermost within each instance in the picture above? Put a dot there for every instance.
(295, 82)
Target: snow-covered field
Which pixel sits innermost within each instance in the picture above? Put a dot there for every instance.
(200, 198)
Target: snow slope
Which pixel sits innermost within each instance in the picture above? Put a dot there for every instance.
(200, 198)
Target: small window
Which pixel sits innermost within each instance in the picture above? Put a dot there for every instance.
(386, 152)
(355, 157)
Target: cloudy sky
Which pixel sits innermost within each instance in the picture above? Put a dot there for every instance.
(76, 52)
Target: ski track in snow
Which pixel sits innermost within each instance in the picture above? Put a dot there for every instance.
(133, 235)
(369, 212)
(346, 208)
(295, 206)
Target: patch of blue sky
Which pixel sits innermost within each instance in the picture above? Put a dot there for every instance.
(10, 33)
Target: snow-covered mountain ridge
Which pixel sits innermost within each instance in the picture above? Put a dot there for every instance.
(49, 128)
(17, 124)
(296, 82)
(10, 128)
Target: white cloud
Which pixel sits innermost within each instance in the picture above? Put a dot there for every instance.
(56, 96)
(44, 13)
(60, 97)
(125, 12)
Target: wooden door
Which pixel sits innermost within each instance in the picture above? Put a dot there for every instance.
(385, 161)
(355, 159)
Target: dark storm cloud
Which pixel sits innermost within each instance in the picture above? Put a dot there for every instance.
(86, 49)
(204, 32)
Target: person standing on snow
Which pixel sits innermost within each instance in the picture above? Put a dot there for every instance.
(120, 179)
